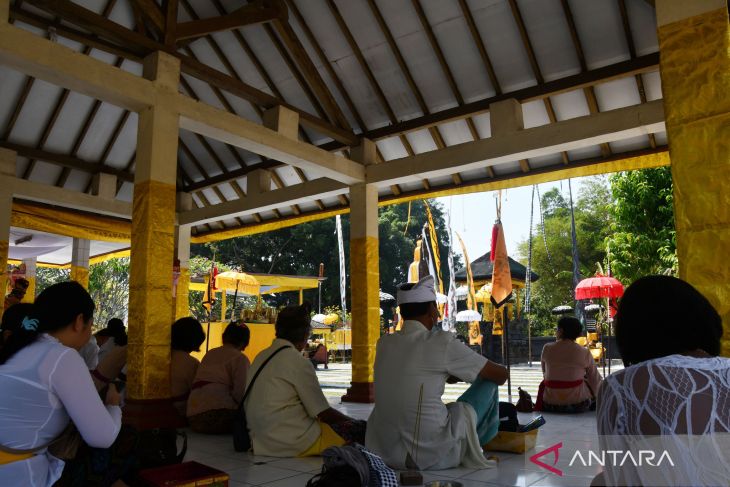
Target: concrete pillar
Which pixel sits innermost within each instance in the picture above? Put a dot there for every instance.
(694, 43)
(30, 272)
(181, 289)
(364, 280)
(7, 166)
(80, 261)
(153, 244)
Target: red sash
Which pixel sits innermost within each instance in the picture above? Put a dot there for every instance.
(554, 384)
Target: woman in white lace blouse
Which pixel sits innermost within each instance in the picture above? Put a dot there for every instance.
(674, 394)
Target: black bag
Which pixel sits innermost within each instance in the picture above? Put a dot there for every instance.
(241, 438)
(524, 404)
(508, 417)
(158, 447)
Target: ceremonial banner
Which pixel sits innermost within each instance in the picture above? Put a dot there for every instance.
(343, 270)
(501, 275)
(435, 254)
(450, 314)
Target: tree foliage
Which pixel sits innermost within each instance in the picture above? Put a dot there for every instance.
(643, 239)
(300, 249)
(109, 288)
(552, 248)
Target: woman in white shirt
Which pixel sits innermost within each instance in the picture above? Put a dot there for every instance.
(46, 384)
(673, 394)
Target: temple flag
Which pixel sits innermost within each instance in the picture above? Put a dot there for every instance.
(434, 249)
(413, 268)
(501, 275)
(450, 309)
(343, 271)
(471, 299)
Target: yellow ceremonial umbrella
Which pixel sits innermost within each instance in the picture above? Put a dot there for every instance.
(331, 319)
(240, 281)
(484, 293)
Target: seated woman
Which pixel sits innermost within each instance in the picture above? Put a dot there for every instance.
(287, 412)
(45, 385)
(220, 383)
(186, 336)
(111, 337)
(674, 390)
(571, 377)
(13, 319)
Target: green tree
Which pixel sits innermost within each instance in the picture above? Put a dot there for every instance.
(552, 256)
(109, 288)
(643, 238)
(300, 249)
(48, 276)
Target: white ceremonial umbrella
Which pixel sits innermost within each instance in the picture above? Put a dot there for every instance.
(468, 315)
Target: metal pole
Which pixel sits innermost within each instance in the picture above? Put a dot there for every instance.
(506, 339)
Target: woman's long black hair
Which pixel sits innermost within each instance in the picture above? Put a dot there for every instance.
(54, 309)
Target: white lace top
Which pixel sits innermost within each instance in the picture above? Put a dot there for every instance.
(679, 398)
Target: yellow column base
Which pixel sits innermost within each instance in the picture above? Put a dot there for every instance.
(365, 285)
(81, 275)
(182, 300)
(695, 62)
(150, 290)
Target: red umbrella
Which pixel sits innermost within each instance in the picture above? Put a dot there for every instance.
(599, 286)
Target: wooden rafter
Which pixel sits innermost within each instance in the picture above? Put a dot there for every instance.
(435, 133)
(229, 66)
(643, 64)
(251, 14)
(152, 12)
(369, 74)
(51, 122)
(588, 91)
(141, 45)
(65, 160)
(479, 42)
(632, 52)
(81, 136)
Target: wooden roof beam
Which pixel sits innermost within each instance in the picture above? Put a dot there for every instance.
(141, 45)
(252, 14)
(264, 201)
(642, 64)
(152, 12)
(231, 129)
(64, 160)
(566, 135)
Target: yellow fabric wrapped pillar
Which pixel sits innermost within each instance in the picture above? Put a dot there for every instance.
(152, 251)
(694, 42)
(80, 261)
(364, 282)
(181, 301)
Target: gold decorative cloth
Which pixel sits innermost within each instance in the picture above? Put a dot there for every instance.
(695, 69)
(365, 285)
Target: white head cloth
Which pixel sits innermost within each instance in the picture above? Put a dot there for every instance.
(422, 292)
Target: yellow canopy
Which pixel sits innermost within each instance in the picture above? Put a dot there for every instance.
(484, 293)
(244, 283)
(271, 283)
(280, 284)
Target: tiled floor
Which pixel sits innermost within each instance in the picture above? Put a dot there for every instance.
(576, 431)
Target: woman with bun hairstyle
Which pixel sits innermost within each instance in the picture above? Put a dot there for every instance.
(46, 385)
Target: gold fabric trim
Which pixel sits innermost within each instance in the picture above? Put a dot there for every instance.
(365, 284)
(695, 69)
(150, 290)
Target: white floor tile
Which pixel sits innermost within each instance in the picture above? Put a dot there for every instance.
(259, 474)
(296, 481)
(308, 464)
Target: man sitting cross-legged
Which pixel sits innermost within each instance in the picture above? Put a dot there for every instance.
(411, 367)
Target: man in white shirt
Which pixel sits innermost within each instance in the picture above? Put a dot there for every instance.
(411, 369)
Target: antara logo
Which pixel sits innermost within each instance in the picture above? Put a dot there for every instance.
(615, 458)
(555, 449)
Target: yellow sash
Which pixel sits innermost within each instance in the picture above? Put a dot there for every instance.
(6, 458)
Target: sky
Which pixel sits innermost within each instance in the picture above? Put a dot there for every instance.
(473, 215)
